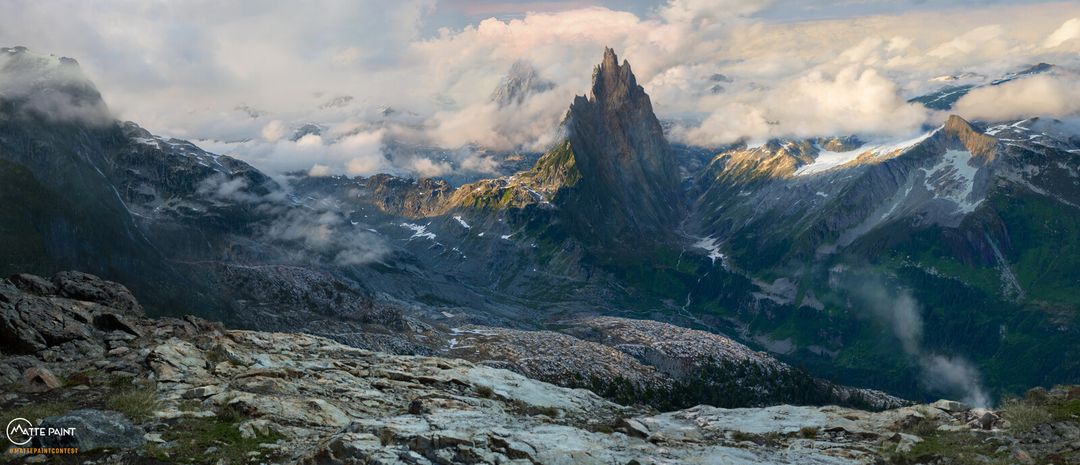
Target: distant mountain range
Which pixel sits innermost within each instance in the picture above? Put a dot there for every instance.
(947, 96)
(807, 248)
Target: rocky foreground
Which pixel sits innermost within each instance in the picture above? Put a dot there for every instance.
(78, 352)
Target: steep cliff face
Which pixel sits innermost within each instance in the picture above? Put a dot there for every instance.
(629, 187)
(56, 142)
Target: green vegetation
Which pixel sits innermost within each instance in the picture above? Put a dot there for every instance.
(954, 448)
(210, 440)
(556, 168)
(25, 204)
(1023, 416)
(1044, 247)
(37, 411)
(137, 404)
(1068, 410)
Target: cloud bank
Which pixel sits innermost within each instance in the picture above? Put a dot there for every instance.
(379, 82)
(50, 88)
(1053, 95)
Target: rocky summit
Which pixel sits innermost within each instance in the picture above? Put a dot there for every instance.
(629, 177)
(78, 353)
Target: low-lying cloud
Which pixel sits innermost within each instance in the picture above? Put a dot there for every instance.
(51, 88)
(899, 311)
(1043, 95)
(328, 234)
(323, 234)
(852, 100)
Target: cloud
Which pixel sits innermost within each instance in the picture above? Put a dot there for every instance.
(1042, 95)
(50, 87)
(899, 311)
(954, 374)
(221, 187)
(318, 171)
(844, 96)
(981, 39)
(1069, 31)
(327, 235)
(323, 233)
(273, 131)
(182, 71)
(427, 168)
(532, 125)
(359, 153)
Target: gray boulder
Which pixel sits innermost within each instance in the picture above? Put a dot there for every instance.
(94, 429)
(90, 288)
(951, 406)
(33, 284)
(29, 323)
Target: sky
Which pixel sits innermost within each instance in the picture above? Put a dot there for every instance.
(389, 82)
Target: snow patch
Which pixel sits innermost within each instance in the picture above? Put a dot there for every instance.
(709, 244)
(827, 160)
(953, 178)
(462, 222)
(418, 231)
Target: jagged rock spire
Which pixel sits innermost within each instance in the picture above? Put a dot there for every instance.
(629, 186)
(613, 83)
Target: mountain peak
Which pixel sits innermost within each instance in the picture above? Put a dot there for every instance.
(615, 84)
(520, 82)
(629, 177)
(50, 86)
(962, 132)
(957, 124)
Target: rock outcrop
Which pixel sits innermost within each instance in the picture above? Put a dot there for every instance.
(614, 180)
(654, 363)
(186, 390)
(57, 320)
(95, 430)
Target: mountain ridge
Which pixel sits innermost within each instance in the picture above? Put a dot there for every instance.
(763, 252)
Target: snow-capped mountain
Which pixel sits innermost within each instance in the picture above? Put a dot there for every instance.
(960, 84)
